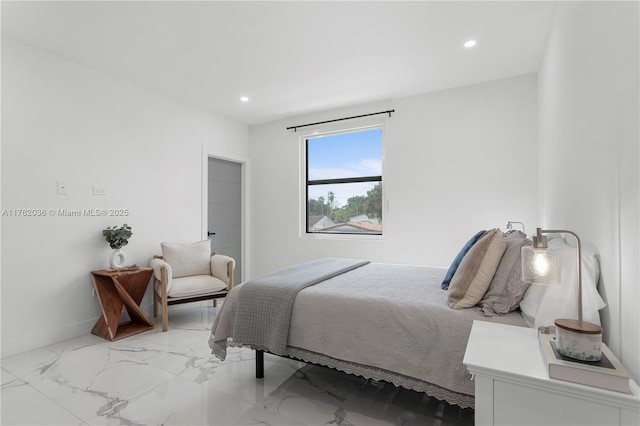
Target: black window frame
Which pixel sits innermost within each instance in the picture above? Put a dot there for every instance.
(308, 182)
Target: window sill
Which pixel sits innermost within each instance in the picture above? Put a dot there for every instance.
(338, 237)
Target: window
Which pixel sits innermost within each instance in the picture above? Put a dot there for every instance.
(344, 183)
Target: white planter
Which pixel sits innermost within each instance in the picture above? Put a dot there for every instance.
(118, 259)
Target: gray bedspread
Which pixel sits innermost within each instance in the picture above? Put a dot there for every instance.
(263, 311)
(380, 321)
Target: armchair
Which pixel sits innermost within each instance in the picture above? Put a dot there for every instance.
(189, 272)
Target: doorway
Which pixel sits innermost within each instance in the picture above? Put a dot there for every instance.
(224, 217)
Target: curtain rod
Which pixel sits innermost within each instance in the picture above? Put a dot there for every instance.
(295, 128)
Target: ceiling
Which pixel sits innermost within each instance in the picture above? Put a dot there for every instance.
(289, 58)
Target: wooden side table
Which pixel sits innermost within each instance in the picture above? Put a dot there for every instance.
(118, 289)
(513, 386)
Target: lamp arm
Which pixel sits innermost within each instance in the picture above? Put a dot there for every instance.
(510, 225)
(579, 246)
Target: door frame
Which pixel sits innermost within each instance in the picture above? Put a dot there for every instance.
(244, 169)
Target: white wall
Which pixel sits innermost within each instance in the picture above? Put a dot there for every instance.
(61, 121)
(455, 161)
(589, 154)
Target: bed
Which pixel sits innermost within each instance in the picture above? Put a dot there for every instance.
(381, 321)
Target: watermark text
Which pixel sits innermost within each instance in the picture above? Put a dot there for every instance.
(88, 212)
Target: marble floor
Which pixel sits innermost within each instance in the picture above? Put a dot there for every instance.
(156, 378)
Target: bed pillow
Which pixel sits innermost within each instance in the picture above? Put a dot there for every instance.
(507, 288)
(476, 271)
(456, 262)
(187, 259)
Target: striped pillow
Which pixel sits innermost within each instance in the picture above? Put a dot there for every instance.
(474, 275)
(507, 288)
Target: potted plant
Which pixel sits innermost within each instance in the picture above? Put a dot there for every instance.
(117, 237)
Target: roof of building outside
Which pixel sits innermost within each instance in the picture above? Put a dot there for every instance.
(363, 225)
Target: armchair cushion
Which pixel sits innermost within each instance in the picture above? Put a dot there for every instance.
(188, 259)
(195, 285)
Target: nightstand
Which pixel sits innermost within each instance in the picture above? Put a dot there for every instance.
(512, 386)
(117, 290)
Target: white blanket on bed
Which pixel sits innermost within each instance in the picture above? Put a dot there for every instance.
(391, 318)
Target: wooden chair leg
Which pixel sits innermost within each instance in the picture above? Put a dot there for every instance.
(165, 315)
(165, 306)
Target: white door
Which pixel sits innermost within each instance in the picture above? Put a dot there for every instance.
(225, 210)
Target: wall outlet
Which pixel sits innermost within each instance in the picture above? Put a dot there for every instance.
(99, 190)
(63, 188)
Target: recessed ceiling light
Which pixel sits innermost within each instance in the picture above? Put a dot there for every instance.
(470, 43)
(244, 99)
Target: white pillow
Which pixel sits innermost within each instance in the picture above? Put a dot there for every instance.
(187, 259)
(543, 304)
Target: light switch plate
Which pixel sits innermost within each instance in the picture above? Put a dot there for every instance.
(99, 190)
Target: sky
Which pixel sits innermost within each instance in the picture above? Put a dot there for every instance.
(342, 156)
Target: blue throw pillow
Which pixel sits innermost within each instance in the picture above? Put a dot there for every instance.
(456, 262)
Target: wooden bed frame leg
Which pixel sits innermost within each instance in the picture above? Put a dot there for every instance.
(259, 364)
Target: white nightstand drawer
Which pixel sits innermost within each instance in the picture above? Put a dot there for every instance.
(512, 385)
(519, 405)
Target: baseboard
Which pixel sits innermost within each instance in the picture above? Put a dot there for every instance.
(45, 337)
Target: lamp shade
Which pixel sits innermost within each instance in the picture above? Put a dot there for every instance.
(540, 265)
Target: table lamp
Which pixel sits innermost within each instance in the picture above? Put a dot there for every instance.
(575, 339)
(510, 226)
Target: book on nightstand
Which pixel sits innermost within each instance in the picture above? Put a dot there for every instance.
(608, 373)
